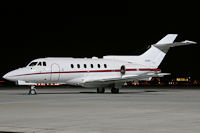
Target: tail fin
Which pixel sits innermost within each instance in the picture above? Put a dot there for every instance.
(155, 54)
(167, 39)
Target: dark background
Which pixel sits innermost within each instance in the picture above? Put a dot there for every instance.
(35, 29)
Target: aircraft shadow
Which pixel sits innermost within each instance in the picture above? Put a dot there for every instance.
(93, 92)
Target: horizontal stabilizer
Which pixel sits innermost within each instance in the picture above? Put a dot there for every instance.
(165, 47)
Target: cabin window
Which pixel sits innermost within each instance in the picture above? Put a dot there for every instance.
(105, 65)
(91, 65)
(39, 64)
(72, 66)
(33, 64)
(85, 66)
(44, 63)
(78, 65)
(98, 65)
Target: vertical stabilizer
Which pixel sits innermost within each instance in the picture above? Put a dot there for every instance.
(155, 54)
(167, 39)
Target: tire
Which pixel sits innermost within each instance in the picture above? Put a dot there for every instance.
(101, 90)
(115, 90)
(32, 92)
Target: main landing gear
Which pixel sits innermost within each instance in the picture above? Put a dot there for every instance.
(102, 90)
(32, 90)
(114, 90)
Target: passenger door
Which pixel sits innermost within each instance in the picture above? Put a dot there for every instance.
(55, 72)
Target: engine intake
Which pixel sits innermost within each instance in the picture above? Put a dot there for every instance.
(123, 70)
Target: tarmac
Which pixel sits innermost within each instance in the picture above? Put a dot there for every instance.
(81, 110)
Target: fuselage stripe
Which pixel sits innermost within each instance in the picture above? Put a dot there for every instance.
(149, 69)
(89, 71)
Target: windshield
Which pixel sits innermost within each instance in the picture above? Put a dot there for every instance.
(33, 63)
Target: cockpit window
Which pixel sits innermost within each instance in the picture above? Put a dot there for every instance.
(39, 64)
(33, 64)
(44, 64)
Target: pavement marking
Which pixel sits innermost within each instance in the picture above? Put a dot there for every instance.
(19, 106)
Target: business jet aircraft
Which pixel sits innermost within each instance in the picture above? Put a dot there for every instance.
(109, 71)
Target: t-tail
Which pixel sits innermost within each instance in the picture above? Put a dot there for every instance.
(155, 54)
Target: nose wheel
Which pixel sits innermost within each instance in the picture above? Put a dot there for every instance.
(32, 90)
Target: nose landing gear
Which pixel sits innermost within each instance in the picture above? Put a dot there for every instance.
(32, 90)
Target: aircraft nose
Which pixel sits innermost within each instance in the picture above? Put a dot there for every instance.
(5, 76)
(9, 76)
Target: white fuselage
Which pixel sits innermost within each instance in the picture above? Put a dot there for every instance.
(109, 71)
(73, 71)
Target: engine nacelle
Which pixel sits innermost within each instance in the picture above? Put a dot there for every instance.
(123, 70)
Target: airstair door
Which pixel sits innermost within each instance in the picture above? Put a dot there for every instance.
(55, 72)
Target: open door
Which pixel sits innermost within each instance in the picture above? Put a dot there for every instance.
(55, 72)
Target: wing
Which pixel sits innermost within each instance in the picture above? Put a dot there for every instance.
(107, 81)
(104, 81)
(148, 76)
(101, 81)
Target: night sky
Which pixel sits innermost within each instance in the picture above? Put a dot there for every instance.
(35, 29)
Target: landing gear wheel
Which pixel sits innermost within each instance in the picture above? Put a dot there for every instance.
(32, 90)
(101, 90)
(115, 90)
